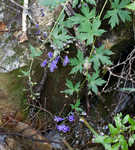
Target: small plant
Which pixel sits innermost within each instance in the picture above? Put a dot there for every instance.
(84, 25)
(76, 107)
(118, 12)
(61, 122)
(121, 134)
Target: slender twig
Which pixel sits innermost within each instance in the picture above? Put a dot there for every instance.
(67, 144)
(57, 21)
(24, 16)
(89, 126)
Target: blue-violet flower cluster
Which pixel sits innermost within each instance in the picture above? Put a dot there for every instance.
(66, 61)
(58, 119)
(53, 63)
(42, 12)
(63, 127)
(71, 118)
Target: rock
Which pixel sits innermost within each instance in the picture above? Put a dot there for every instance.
(11, 93)
(32, 138)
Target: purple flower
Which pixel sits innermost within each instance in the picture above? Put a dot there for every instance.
(53, 66)
(58, 119)
(62, 128)
(57, 59)
(71, 118)
(38, 32)
(44, 63)
(42, 12)
(66, 61)
(50, 55)
(45, 35)
(37, 25)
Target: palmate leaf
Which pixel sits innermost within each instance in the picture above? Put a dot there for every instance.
(76, 106)
(77, 63)
(88, 30)
(80, 19)
(117, 12)
(92, 2)
(94, 81)
(131, 6)
(123, 142)
(88, 24)
(71, 88)
(59, 37)
(34, 52)
(101, 56)
(75, 2)
(51, 3)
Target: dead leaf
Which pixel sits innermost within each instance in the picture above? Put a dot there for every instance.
(2, 28)
(23, 37)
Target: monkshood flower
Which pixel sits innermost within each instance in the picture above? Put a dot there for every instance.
(62, 128)
(44, 63)
(58, 119)
(71, 118)
(50, 55)
(57, 59)
(66, 61)
(45, 35)
(38, 32)
(42, 12)
(53, 66)
(37, 25)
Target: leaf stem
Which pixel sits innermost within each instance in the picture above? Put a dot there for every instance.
(89, 126)
(103, 9)
(50, 34)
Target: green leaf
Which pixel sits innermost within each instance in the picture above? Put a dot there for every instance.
(94, 81)
(131, 141)
(132, 122)
(115, 146)
(123, 142)
(51, 3)
(68, 91)
(108, 140)
(114, 131)
(77, 63)
(88, 30)
(118, 121)
(125, 119)
(25, 73)
(92, 2)
(34, 52)
(71, 87)
(88, 24)
(100, 139)
(76, 106)
(101, 57)
(113, 15)
(60, 37)
(69, 84)
(75, 2)
(131, 6)
(117, 12)
(128, 89)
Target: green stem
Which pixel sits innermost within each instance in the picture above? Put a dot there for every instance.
(92, 50)
(50, 34)
(30, 81)
(93, 44)
(103, 9)
(89, 126)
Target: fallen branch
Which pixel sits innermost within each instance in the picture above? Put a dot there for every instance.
(24, 37)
